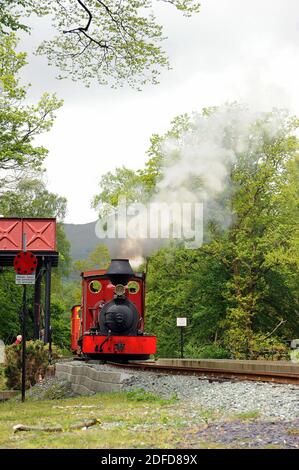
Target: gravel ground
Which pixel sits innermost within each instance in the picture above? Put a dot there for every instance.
(270, 401)
(255, 434)
(272, 410)
(50, 389)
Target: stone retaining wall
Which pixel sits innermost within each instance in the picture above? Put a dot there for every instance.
(85, 379)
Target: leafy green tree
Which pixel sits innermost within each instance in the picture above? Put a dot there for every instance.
(185, 283)
(240, 289)
(10, 303)
(99, 258)
(139, 185)
(20, 123)
(61, 324)
(13, 11)
(111, 41)
(30, 198)
(123, 182)
(23, 192)
(261, 244)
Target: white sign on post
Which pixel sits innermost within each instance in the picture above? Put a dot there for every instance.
(181, 321)
(25, 278)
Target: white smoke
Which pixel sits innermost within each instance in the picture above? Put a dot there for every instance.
(196, 169)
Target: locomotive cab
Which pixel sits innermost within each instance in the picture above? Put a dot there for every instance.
(112, 314)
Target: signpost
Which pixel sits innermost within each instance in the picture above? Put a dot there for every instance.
(25, 279)
(25, 264)
(181, 322)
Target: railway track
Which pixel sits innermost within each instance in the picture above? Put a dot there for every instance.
(214, 373)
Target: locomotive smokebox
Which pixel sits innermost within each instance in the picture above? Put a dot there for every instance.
(119, 271)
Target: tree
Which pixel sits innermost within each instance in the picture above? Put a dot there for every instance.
(186, 283)
(261, 244)
(13, 10)
(30, 198)
(10, 302)
(123, 182)
(139, 185)
(240, 289)
(99, 258)
(112, 41)
(20, 123)
(23, 192)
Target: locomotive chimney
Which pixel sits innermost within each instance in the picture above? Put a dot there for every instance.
(119, 271)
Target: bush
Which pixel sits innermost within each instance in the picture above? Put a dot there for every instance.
(294, 355)
(37, 361)
(208, 351)
(265, 348)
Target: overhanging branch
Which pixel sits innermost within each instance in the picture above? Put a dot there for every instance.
(84, 29)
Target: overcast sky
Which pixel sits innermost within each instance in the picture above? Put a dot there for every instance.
(232, 50)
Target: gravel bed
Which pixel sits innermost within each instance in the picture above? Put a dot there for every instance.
(50, 389)
(269, 401)
(240, 434)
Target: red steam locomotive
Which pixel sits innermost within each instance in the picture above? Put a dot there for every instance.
(109, 324)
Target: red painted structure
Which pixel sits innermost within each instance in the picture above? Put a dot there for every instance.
(97, 291)
(75, 327)
(25, 262)
(40, 234)
(41, 240)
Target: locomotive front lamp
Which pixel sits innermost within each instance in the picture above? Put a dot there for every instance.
(119, 290)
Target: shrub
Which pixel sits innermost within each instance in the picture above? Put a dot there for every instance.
(208, 351)
(265, 348)
(294, 355)
(37, 361)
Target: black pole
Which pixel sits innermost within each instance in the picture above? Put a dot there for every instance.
(50, 345)
(24, 313)
(47, 301)
(37, 299)
(182, 342)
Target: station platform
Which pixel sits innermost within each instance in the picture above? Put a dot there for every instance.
(234, 365)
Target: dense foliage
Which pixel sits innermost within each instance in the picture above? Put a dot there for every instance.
(239, 290)
(20, 123)
(23, 192)
(37, 361)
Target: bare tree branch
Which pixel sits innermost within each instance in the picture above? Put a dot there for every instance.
(277, 326)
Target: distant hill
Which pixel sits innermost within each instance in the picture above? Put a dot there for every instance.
(82, 238)
(83, 241)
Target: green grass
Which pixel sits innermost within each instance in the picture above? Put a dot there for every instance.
(127, 420)
(246, 415)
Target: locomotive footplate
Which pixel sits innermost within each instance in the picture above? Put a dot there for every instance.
(119, 345)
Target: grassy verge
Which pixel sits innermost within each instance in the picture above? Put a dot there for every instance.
(126, 420)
